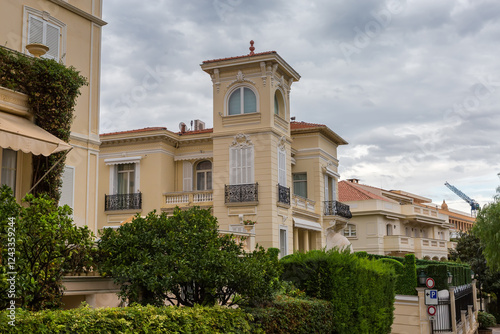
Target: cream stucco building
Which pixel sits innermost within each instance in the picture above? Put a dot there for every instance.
(72, 30)
(254, 164)
(394, 222)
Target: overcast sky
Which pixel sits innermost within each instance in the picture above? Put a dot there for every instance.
(413, 86)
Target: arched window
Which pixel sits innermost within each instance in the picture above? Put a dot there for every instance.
(242, 101)
(279, 104)
(204, 175)
(389, 229)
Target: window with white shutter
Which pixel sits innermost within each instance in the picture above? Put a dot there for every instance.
(283, 241)
(327, 193)
(187, 176)
(68, 187)
(282, 167)
(241, 165)
(44, 32)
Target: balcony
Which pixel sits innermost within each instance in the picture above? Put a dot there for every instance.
(245, 238)
(431, 247)
(123, 202)
(336, 208)
(241, 193)
(283, 194)
(194, 197)
(303, 203)
(399, 244)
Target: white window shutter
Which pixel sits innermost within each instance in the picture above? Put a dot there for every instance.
(327, 193)
(250, 165)
(282, 167)
(68, 187)
(52, 41)
(334, 190)
(35, 30)
(187, 176)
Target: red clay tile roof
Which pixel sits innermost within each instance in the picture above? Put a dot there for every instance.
(237, 57)
(134, 131)
(349, 191)
(195, 132)
(303, 125)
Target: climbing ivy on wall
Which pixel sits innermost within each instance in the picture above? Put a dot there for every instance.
(52, 90)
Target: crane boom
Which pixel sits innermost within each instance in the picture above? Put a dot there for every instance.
(474, 206)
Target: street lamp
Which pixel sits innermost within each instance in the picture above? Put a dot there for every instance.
(422, 277)
(450, 277)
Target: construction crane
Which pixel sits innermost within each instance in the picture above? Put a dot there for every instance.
(474, 206)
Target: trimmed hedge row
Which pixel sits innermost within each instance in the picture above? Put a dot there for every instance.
(134, 319)
(361, 291)
(287, 315)
(405, 268)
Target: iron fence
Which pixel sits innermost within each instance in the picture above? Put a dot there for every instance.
(463, 298)
(123, 202)
(237, 193)
(283, 194)
(336, 208)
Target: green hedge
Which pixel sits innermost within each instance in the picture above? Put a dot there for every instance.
(361, 291)
(135, 319)
(439, 272)
(287, 315)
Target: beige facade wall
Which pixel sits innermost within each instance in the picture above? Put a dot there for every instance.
(80, 46)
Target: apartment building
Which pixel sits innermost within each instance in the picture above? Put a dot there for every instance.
(394, 222)
(256, 163)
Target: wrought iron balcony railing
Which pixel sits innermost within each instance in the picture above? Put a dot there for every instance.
(238, 193)
(283, 194)
(123, 202)
(336, 208)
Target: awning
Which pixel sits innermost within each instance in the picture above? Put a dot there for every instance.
(307, 224)
(123, 161)
(19, 134)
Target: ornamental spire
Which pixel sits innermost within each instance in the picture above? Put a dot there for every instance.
(251, 48)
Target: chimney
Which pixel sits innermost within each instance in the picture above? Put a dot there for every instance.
(353, 180)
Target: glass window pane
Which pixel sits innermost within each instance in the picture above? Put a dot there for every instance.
(204, 165)
(200, 181)
(300, 189)
(209, 180)
(276, 105)
(300, 176)
(9, 166)
(235, 103)
(249, 102)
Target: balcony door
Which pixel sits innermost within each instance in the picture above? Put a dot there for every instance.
(125, 178)
(204, 175)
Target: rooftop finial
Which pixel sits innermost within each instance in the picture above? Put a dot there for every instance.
(252, 48)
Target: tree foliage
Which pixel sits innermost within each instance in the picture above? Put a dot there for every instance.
(487, 228)
(52, 90)
(182, 259)
(39, 242)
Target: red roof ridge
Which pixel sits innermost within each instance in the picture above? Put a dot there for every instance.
(359, 194)
(237, 57)
(154, 128)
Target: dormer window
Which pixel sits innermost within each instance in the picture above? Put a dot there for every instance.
(242, 101)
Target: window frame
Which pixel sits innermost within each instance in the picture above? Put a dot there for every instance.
(207, 186)
(47, 19)
(283, 247)
(350, 231)
(295, 181)
(282, 166)
(15, 169)
(242, 88)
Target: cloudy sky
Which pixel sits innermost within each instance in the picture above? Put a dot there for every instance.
(413, 86)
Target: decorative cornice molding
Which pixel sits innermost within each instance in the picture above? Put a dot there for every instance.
(241, 140)
(14, 103)
(80, 12)
(216, 79)
(240, 78)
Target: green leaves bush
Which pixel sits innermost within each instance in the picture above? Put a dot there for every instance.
(361, 291)
(52, 90)
(287, 315)
(184, 260)
(132, 320)
(45, 241)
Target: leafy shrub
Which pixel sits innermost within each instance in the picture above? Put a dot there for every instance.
(136, 319)
(486, 320)
(361, 291)
(287, 315)
(184, 260)
(42, 239)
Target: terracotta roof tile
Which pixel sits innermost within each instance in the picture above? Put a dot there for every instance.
(134, 131)
(349, 191)
(195, 132)
(304, 125)
(237, 57)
